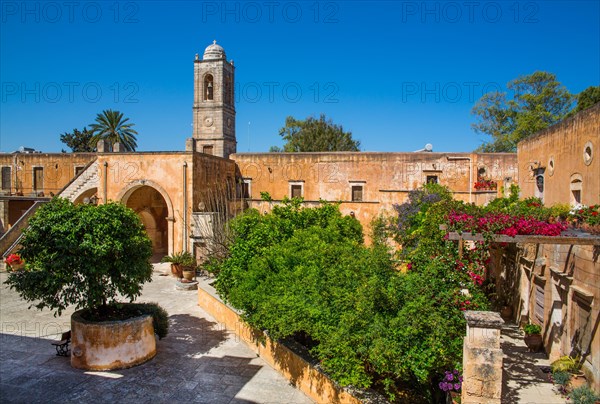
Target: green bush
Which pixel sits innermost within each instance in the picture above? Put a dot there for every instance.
(566, 364)
(306, 273)
(531, 329)
(561, 378)
(160, 318)
(83, 255)
(183, 258)
(583, 395)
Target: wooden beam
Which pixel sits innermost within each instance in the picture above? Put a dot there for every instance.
(570, 237)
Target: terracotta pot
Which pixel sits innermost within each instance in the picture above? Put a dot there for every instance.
(534, 342)
(455, 397)
(177, 270)
(189, 274)
(506, 313)
(577, 380)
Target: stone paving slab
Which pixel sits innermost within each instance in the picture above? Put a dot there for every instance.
(523, 380)
(199, 361)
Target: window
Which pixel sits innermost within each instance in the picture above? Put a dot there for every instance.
(38, 178)
(588, 153)
(581, 325)
(538, 304)
(78, 170)
(208, 88)
(576, 189)
(247, 188)
(296, 189)
(357, 193)
(6, 178)
(432, 179)
(228, 91)
(207, 149)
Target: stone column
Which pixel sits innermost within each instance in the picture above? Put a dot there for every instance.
(482, 358)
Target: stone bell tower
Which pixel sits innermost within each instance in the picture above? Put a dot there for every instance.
(214, 107)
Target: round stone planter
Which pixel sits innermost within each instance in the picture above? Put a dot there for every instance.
(111, 344)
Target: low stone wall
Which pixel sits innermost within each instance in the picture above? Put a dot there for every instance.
(112, 344)
(300, 373)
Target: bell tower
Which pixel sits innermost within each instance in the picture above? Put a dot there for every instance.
(214, 107)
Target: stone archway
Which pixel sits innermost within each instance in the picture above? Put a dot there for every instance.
(153, 209)
(89, 194)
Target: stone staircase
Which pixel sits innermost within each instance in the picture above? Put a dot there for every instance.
(87, 179)
(10, 240)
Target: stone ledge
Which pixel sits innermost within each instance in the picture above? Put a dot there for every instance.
(483, 319)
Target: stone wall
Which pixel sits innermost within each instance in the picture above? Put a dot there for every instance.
(58, 170)
(557, 287)
(385, 178)
(566, 155)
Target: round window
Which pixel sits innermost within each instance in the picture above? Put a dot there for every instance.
(588, 153)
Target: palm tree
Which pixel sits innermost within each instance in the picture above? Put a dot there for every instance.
(111, 126)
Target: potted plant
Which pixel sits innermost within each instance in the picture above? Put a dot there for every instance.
(583, 395)
(183, 265)
(533, 337)
(506, 310)
(91, 257)
(561, 379)
(571, 366)
(14, 262)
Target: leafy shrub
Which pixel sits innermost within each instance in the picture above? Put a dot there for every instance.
(123, 311)
(182, 258)
(306, 272)
(566, 364)
(160, 318)
(531, 329)
(583, 395)
(561, 378)
(82, 255)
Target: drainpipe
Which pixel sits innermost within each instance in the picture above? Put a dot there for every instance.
(185, 206)
(105, 181)
(15, 170)
(450, 158)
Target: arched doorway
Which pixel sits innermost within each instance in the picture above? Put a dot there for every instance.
(152, 209)
(87, 196)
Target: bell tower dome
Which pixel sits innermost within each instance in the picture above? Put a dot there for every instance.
(214, 106)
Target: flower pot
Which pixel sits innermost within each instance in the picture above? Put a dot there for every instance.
(506, 313)
(189, 274)
(534, 342)
(17, 267)
(177, 270)
(577, 380)
(454, 397)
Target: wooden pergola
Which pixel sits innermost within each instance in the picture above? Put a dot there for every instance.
(571, 237)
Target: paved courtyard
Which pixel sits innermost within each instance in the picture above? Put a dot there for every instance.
(198, 361)
(524, 382)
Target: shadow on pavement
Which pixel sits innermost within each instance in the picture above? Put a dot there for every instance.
(181, 372)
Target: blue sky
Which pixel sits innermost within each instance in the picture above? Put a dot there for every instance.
(398, 74)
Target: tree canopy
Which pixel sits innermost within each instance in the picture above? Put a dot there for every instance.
(587, 98)
(538, 101)
(315, 135)
(79, 141)
(82, 255)
(111, 126)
